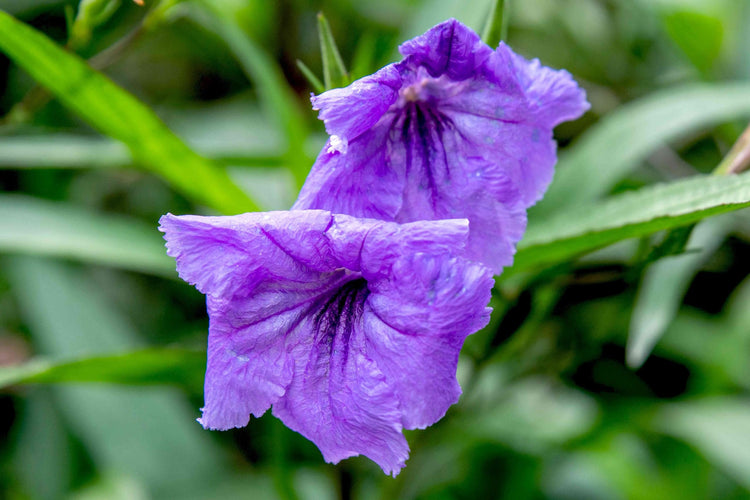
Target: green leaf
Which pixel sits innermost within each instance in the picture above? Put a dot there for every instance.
(43, 455)
(622, 140)
(718, 427)
(150, 433)
(334, 71)
(698, 35)
(33, 226)
(654, 208)
(496, 28)
(663, 286)
(118, 114)
(176, 366)
(278, 99)
(674, 243)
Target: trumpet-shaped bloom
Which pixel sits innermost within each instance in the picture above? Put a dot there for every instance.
(454, 130)
(350, 328)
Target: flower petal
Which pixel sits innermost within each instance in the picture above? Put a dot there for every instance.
(249, 367)
(449, 48)
(553, 94)
(348, 112)
(223, 256)
(262, 274)
(359, 183)
(340, 401)
(418, 319)
(469, 136)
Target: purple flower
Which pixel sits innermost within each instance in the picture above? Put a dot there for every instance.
(454, 130)
(350, 328)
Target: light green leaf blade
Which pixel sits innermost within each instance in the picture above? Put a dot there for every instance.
(654, 208)
(621, 141)
(146, 366)
(118, 114)
(698, 35)
(663, 286)
(32, 226)
(147, 433)
(334, 71)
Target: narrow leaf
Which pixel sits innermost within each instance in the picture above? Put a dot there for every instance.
(621, 141)
(496, 28)
(33, 226)
(183, 367)
(118, 114)
(334, 71)
(663, 206)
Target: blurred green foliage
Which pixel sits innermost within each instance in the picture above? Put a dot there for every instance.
(203, 108)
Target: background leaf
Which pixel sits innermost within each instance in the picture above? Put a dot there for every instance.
(40, 227)
(147, 433)
(664, 284)
(276, 96)
(147, 366)
(650, 209)
(119, 115)
(617, 145)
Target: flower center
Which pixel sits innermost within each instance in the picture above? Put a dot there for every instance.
(411, 93)
(340, 312)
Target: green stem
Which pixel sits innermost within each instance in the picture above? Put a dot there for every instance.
(738, 158)
(496, 28)
(282, 480)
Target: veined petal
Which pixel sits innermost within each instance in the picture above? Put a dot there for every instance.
(350, 111)
(303, 307)
(359, 183)
(469, 136)
(450, 48)
(553, 94)
(224, 256)
(418, 319)
(339, 398)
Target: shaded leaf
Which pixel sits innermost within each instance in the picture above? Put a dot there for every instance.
(118, 114)
(664, 285)
(698, 35)
(149, 433)
(718, 427)
(278, 99)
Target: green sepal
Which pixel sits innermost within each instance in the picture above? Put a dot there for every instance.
(313, 80)
(334, 71)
